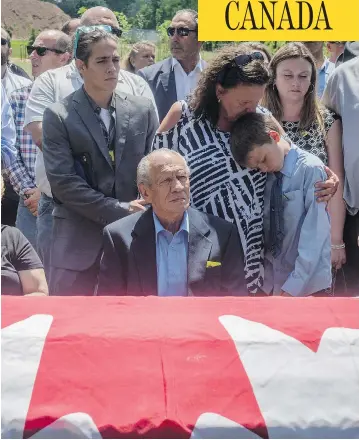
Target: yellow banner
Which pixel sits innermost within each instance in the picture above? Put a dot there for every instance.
(278, 20)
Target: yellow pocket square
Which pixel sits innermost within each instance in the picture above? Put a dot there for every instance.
(213, 264)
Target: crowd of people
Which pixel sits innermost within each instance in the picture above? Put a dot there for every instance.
(180, 177)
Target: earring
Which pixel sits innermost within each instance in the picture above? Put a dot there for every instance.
(219, 101)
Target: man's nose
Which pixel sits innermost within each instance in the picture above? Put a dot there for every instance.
(177, 185)
(111, 67)
(175, 36)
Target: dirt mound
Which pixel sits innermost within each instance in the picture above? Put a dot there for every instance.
(20, 16)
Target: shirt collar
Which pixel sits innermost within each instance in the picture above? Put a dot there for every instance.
(198, 67)
(289, 161)
(96, 108)
(184, 225)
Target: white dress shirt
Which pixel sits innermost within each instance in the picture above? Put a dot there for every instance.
(186, 83)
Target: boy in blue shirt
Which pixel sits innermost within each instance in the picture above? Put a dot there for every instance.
(296, 228)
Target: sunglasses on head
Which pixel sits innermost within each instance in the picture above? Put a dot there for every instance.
(3, 41)
(102, 27)
(41, 50)
(181, 31)
(239, 61)
(242, 60)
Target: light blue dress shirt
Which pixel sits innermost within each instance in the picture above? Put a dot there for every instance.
(304, 264)
(172, 259)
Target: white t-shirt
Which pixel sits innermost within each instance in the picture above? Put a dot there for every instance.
(106, 117)
(54, 85)
(185, 83)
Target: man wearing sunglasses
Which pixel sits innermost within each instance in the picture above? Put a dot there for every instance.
(51, 49)
(175, 78)
(10, 79)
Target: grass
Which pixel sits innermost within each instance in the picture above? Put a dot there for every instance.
(19, 49)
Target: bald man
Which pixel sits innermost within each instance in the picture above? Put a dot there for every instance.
(50, 50)
(170, 249)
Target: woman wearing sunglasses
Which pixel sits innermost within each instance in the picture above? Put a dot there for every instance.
(232, 85)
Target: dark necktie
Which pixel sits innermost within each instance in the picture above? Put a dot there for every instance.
(109, 134)
(276, 216)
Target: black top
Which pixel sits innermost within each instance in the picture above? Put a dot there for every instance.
(16, 254)
(313, 139)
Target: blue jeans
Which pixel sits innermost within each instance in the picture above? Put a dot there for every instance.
(26, 222)
(44, 231)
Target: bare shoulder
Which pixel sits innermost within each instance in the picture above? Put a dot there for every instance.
(172, 117)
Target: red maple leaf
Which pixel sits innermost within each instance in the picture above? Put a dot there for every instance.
(149, 367)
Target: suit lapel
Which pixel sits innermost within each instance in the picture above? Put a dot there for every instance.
(122, 122)
(199, 247)
(167, 78)
(86, 113)
(144, 250)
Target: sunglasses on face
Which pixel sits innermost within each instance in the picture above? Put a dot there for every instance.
(181, 31)
(4, 41)
(41, 50)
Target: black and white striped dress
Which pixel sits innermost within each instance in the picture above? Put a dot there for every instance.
(221, 187)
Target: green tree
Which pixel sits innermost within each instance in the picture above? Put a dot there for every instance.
(123, 21)
(32, 37)
(162, 30)
(81, 11)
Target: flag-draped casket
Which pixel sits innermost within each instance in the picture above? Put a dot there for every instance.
(80, 367)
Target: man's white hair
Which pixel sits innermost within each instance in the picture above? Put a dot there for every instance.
(144, 167)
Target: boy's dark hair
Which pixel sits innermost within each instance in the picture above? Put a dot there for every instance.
(250, 131)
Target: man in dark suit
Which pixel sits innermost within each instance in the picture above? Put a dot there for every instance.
(93, 141)
(174, 78)
(170, 249)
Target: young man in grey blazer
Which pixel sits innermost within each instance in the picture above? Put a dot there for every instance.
(170, 249)
(93, 141)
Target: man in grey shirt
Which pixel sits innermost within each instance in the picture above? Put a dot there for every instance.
(342, 96)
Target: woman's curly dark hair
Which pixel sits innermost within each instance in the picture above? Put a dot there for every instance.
(223, 70)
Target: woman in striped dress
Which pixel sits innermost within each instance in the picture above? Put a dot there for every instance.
(232, 85)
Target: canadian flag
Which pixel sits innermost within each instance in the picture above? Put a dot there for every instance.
(80, 367)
